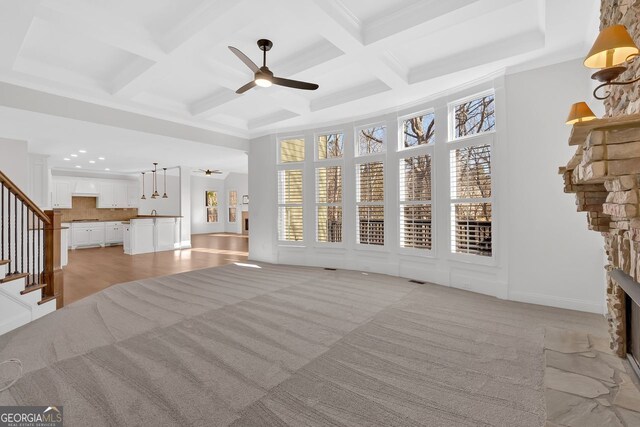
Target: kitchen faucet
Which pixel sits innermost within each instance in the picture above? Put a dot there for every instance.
(154, 212)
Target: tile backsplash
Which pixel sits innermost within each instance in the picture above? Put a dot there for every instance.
(85, 208)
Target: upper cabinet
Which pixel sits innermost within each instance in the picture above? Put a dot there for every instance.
(61, 194)
(133, 195)
(113, 195)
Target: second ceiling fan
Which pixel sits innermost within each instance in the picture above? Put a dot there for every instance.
(262, 75)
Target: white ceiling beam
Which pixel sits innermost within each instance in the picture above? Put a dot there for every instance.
(222, 16)
(351, 94)
(311, 56)
(96, 23)
(271, 118)
(501, 49)
(15, 21)
(211, 102)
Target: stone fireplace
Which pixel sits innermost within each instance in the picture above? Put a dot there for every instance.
(604, 174)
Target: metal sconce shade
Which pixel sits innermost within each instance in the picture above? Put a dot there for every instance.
(155, 181)
(143, 196)
(613, 47)
(580, 112)
(164, 196)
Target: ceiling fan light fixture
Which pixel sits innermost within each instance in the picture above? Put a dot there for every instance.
(263, 82)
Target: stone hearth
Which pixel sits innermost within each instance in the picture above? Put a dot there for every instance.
(604, 174)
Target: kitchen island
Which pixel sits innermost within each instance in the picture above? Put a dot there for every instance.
(151, 233)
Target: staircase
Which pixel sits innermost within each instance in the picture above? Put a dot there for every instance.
(31, 281)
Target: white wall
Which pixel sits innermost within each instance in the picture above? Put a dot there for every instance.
(201, 184)
(543, 251)
(240, 183)
(554, 258)
(14, 161)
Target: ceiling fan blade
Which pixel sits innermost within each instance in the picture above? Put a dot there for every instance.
(294, 83)
(246, 87)
(244, 58)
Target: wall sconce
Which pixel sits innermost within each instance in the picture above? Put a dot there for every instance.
(612, 51)
(580, 112)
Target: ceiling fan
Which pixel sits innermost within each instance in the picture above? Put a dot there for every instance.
(262, 75)
(209, 172)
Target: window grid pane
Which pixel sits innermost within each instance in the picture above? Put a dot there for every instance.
(329, 224)
(370, 185)
(292, 150)
(330, 146)
(471, 172)
(290, 223)
(329, 184)
(211, 203)
(371, 225)
(290, 186)
(233, 203)
(419, 130)
(372, 140)
(415, 226)
(471, 232)
(475, 117)
(415, 178)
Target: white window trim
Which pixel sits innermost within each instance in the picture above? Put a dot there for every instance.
(401, 119)
(229, 206)
(206, 208)
(484, 138)
(451, 127)
(356, 140)
(413, 152)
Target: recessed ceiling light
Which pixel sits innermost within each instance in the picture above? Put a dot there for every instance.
(107, 169)
(92, 161)
(67, 159)
(78, 166)
(100, 158)
(82, 151)
(74, 155)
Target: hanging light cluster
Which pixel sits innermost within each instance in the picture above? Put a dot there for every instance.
(155, 194)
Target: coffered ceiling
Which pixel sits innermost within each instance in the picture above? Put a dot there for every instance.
(168, 59)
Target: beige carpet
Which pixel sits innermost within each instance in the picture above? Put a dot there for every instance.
(287, 346)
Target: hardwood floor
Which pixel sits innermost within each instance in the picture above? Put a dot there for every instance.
(94, 269)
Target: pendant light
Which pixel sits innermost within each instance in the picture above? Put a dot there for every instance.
(155, 181)
(143, 196)
(164, 196)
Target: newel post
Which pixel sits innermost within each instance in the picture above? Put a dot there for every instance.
(52, 270)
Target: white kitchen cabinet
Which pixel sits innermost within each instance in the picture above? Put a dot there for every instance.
(113, 232)
(133, 195)
(87, 234)
(113, 195)
(61, 194)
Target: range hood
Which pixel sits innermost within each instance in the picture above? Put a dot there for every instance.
(86, 189)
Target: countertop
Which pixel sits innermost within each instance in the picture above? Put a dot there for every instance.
(156, 216)
(92, 220)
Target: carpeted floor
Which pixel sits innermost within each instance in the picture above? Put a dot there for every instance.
(282, 345)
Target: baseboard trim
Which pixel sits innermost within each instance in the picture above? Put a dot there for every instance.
(558, 302)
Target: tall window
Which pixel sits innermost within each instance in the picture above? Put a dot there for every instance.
(329, 203)
(290, 193)
(418, 130)
(470, 166)
(211, 203)
(330, 151)
(233, 205)
(370, 203)
(290, 224)
(415, 202)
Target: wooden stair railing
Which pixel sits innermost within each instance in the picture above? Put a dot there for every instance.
(30, 243)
